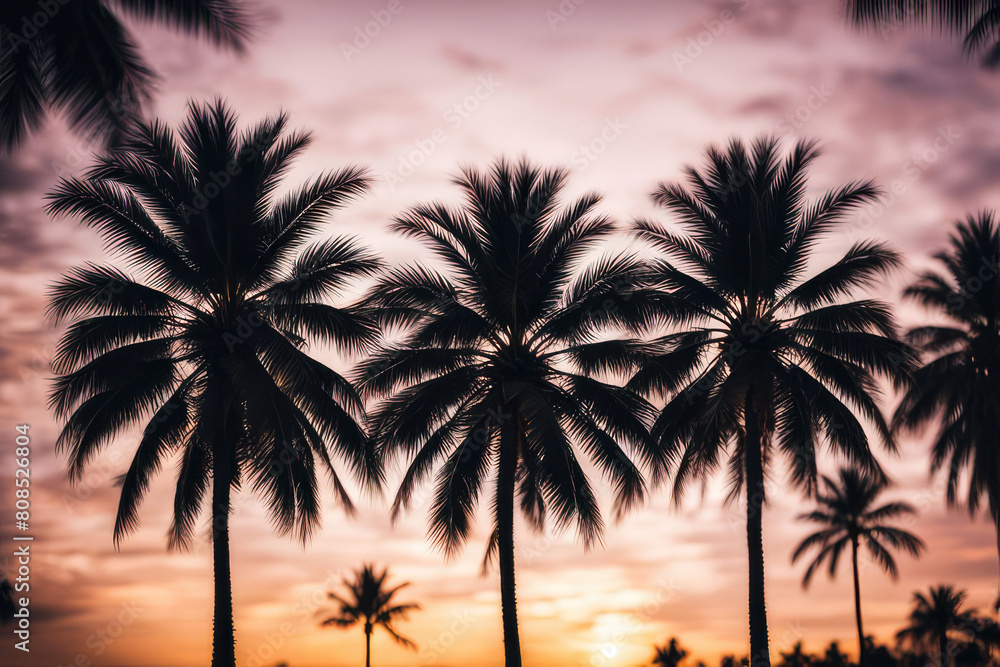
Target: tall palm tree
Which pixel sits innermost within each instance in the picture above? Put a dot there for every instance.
(368, 600)
(499, 370)
(935, 616)
(956, 388)
(670, 654)
(765, 361)
(205, 344)
(848, 516)
(976, 21)
(77, 56)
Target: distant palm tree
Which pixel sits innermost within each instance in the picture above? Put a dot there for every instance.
(848, 516)
(833, 657)
(78, 56)
(976, 21)
(878, 655)
(369, 601)
(956, 388)
(495, 373)
(7, 606)
(797, 658)
(935, 616)
(209, 338)
(766, 360)
(670, 654)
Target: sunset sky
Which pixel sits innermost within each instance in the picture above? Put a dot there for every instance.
(624, 94)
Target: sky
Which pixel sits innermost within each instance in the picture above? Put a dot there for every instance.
(623, 94)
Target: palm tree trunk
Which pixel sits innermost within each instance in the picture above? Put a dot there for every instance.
(857, 604)
(752, 451)
(505, 540)
(943, 649)
(996, 604)
(223, 636)
(368, 645)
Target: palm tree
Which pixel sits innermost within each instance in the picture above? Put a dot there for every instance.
(976, 21)
(797, 657)
(878, 655)
(833, 657)
(208, 338)
(933, 617)
(7, 606)
(848, 517)
(368, 600)
(78, 57)
(670, 654)
(957, 386)
(765, 361)
(495, 373)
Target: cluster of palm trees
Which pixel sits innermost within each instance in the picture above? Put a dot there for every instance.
(713, 343)
(939, 633)
(511, 358)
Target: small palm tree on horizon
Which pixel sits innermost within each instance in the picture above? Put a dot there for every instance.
(797, 657)
(79, 58)
(934, 618)
(369, 601)
(670, 654)
(764, 360)
(205, 345)
(849, 517)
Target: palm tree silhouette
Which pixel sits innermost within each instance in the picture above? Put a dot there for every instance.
(495, 374)
(670, 654)
(933, 617)
(848, 516)
(209, 336)
(833, 657)
(78, 57)
(369, 601)
(797, 657)
(957, 386)
(766, 359)
(976, 21)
